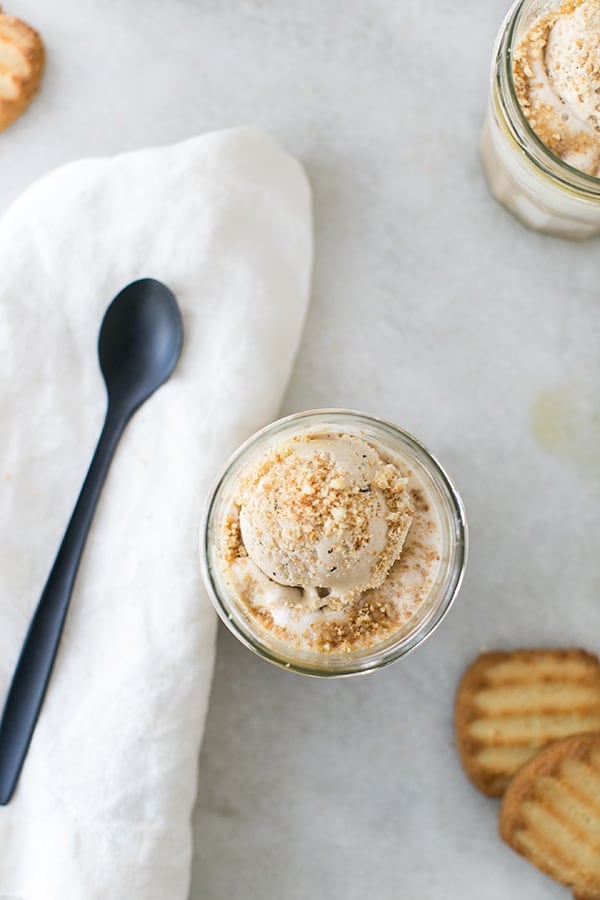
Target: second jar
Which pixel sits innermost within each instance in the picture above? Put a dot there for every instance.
(541, 140)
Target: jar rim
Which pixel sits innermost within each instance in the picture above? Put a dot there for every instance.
(372, 658)
(535, 149)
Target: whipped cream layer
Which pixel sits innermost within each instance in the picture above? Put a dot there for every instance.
(556, 69)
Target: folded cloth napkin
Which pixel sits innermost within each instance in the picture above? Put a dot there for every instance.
(103, 806)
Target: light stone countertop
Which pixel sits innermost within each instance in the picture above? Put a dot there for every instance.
(431, 307)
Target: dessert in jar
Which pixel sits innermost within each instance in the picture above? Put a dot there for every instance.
(333, 543)
(541, 140)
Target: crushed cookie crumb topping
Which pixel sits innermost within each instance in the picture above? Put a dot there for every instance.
(561, 98)
(315, 543)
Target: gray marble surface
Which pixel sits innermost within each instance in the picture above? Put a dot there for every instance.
(431, 307)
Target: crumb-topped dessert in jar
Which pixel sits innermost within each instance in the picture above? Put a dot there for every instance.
(541, 141)
(333, 543)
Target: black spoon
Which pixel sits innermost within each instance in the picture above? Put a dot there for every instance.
(139, 345)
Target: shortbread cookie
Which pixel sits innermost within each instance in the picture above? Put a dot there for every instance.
(21, 66)
(551, 813)
(510, 705)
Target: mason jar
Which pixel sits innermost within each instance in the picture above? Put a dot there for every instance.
(394, 444)
(534, 184)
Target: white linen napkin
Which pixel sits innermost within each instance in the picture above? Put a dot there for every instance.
(103, 806)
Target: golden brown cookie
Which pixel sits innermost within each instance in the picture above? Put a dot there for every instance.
(509, 705)
(21, 66)
(551, 813)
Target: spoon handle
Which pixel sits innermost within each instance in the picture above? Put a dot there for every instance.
(32, 673)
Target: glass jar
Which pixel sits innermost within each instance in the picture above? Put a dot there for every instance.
(441, 493)
(538, 187)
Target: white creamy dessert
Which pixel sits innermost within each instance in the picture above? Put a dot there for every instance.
(546, 80)
(556, 69)
(329, 542)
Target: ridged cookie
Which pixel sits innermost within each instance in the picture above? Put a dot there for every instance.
(509, 705)
(550, 813)
(21, 66)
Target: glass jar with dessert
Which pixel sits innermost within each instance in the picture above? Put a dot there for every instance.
(541, 140)
(333, 543)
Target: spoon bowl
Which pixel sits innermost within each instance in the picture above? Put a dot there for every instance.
(140, 341)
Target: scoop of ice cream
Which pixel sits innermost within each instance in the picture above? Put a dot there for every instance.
(325, 513)
(573, 61)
